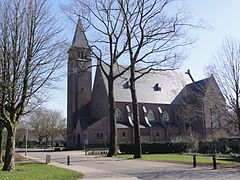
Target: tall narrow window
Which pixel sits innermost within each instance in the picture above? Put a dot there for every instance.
(118, 115)
(123, 134)
(129, 115)
(101, 135)
(145, 115)
(150, 115)
(165, 116)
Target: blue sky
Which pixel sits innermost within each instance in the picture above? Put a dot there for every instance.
(222, 15)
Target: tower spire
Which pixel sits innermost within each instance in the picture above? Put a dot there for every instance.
(79, 39)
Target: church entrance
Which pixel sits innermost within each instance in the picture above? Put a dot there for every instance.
(78, 141)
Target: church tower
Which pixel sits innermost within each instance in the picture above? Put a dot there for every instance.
(79, 86)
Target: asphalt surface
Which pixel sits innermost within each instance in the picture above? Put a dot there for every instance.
(105, 168)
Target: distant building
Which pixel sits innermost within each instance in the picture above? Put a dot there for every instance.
(171, 105)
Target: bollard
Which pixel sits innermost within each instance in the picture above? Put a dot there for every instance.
(214, 162)
(68, 160)
(48, 158)
(194, 161)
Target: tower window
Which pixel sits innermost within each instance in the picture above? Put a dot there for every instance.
(157, 134)
(81, 54)
(82, 89)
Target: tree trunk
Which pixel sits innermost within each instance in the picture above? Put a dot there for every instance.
(238, 119)
(238, 124)
(52, 141)
(1, 143)
(10, 148)
(112, 121)
(40, 142)
(46, 142)
(137, 140)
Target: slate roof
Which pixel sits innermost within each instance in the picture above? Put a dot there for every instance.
(79, 39)
(126, 125)
(199, 87)
(196, 89)
(170, 82)
(86, 122)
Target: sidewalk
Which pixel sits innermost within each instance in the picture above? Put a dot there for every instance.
(89, 173)
(104, 168)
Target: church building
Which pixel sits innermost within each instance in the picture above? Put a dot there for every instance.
(171, 104)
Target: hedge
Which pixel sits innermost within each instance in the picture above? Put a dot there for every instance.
(155, 148)
(223, 147)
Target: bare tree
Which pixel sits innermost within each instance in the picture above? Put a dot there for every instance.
(107, 46)
(45, 124)
(30, 52)
(38, 123)
(62, 129)
(1, 141)
(54, 117)
(142, 32)
(226, 69)
(155, 40)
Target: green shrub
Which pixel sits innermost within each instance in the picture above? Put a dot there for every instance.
(155, 147)
(192, 144)
(223, 147)
(127, 147)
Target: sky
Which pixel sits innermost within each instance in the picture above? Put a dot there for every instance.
(222, 16)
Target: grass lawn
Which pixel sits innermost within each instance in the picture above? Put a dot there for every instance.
(183, 158)
(38, 171)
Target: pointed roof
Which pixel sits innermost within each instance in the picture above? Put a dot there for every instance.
(79, 39)
(197, 90)
(170, 82)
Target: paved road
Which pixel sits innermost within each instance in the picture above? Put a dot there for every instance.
(125, 169)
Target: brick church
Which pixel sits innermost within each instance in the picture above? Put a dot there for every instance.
(171, 104)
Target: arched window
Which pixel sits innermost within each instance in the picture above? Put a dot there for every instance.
(118, 115)
(150, 115)
(165, 116)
